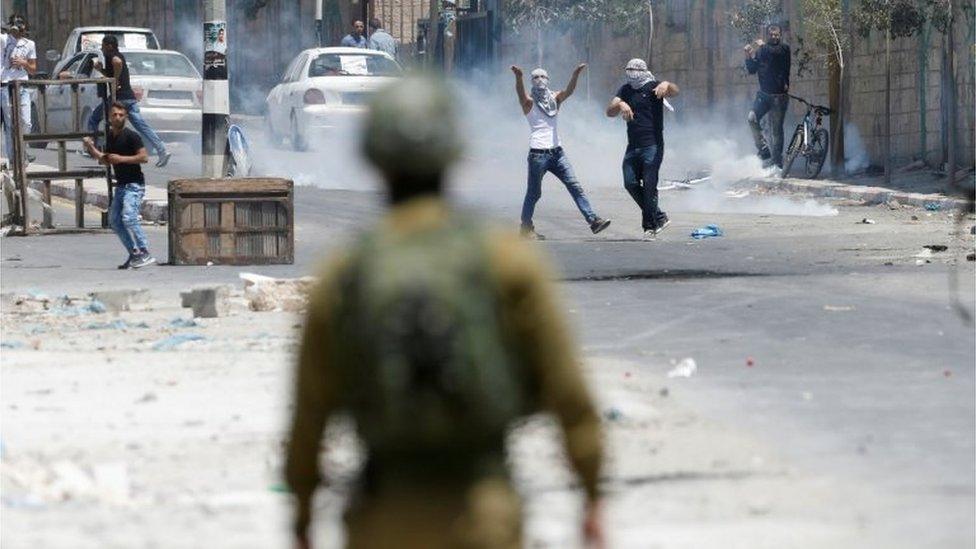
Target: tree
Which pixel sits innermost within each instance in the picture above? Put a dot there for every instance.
(751, 19)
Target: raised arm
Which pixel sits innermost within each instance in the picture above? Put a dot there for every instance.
(523, 98)
(666, 89)
(571, 87)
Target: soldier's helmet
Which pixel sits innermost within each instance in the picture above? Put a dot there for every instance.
(411, 129)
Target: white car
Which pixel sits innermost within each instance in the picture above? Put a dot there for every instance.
(323, 88)
(166, 84)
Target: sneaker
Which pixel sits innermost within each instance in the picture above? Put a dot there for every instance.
(163, 159)
(127, 264)
(598, 224)
(529, 233)
(663, 222)
(142, 260)
(650, 234)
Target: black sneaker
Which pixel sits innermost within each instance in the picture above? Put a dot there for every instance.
(142, 260)
(662, 222)
(598, 224)
(163, 159)
(529, 233)
(127, 264)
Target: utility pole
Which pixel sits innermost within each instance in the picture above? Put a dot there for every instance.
(216, 102)
(318, 23)
(951, 153)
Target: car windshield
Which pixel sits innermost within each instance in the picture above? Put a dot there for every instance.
(92, 41)
(342, 64)
(159, 64)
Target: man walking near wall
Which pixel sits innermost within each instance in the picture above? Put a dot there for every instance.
(545, 150)
(115, 66)
(641, 103)
(19, 61)
(434, 333)
(356, 38)
(381, 40)
(771, 60)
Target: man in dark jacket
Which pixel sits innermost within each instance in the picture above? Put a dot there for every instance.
(771, 60)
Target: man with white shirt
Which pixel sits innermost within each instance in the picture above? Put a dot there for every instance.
(19, 61)
(545, 151)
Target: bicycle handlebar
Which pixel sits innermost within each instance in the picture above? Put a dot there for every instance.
(819, 108)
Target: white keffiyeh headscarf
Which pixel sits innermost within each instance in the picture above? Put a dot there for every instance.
(541, 94)
(638, 76)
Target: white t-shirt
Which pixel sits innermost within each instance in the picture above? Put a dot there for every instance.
(543, 127)
(14, 48)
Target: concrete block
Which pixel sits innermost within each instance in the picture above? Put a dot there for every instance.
(207, 302)
(121, 300)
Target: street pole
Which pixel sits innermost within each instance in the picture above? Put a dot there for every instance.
(887, 125)
(216, 102)
(318, 22)
(950, 44)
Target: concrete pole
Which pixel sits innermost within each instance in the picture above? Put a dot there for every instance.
(950, 45)
(216, 101)
(318, 22)
(887, 125)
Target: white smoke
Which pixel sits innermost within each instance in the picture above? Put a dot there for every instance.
(855, 153)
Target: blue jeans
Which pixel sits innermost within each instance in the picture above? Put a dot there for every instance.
(123, 216)
(775, 105)
(135, 118)
(556, 163)
(641, 168)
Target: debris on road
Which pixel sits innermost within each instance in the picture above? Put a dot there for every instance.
(750, 362)
(120, 300)
(175, 341)
(685, 368)
(115, 325)
(265, 293)
(867, 221)
(613, 414)
(936, 247)
(707, 231)
(183, 323)
(837, 308)
(933, 206)
(207, 302)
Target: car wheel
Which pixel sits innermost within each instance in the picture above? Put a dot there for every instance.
(35, 128)
(298, 142)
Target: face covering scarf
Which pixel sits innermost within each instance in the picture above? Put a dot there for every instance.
(638, 76)
(542, 95)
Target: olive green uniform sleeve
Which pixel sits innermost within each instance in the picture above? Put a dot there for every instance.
(532, 313)
(316, 396)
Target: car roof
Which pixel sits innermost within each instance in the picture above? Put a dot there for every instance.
(112, 28)
(135, 50)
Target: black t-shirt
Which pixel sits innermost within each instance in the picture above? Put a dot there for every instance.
(773, 65)
(126, 143)
(125, 87)
(646, 129)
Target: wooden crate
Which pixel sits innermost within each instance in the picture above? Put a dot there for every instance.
(247, 221)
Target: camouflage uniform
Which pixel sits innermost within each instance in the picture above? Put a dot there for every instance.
(456, 499)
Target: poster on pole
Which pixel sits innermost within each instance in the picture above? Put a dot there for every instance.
(215, 50)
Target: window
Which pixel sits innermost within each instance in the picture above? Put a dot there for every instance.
(295, 70)
(159, 64)
(72, 66)
(334, 64)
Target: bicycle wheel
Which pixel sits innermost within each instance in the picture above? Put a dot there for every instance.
(816, 154)
(796, 143)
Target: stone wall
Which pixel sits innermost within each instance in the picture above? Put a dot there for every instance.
(695, 47)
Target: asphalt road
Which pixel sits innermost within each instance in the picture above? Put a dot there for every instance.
(822, 336)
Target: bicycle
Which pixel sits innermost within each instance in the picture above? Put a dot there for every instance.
(810, 140)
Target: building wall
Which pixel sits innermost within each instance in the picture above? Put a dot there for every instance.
(695, 47)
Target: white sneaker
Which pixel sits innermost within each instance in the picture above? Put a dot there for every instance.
(649, 234)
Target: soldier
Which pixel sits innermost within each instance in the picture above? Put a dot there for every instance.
(434, 335)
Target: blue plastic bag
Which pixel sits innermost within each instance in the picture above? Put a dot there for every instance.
(707, 231)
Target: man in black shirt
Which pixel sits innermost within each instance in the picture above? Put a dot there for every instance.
(771, 60)
(124, 151)
(640, 102)
(124, 94)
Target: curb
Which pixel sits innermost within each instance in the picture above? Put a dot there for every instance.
(874, 195)
(153, 209)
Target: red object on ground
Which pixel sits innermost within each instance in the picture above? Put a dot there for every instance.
(947, 373)
(750, 362)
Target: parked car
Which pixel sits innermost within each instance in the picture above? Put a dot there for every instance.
(89, 39)
(324, 86)
(169, 89)
(83, 39)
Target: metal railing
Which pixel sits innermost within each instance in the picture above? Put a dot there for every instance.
(19, 140)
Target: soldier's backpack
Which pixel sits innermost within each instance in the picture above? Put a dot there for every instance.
(427, 365)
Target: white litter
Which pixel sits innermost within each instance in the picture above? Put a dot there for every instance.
(685, 368)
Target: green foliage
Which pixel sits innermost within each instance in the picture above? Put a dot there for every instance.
(626, 15)
(901, 17)
(824, 36)
(751, 19)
